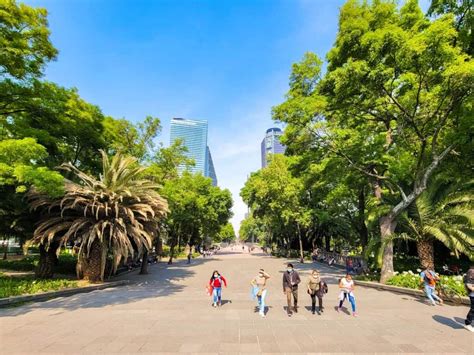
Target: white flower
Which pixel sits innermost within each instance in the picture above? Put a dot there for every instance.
(410, 272)
(395, 273)
(418, 270)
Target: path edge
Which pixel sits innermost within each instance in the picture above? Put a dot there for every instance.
(40, 297)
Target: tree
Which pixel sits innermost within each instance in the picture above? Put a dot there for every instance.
(273, 192)
(226, 234)
(165, 162)
(394, 103)
(117, 213)
(464, 17)
(131, 139)
(443, 212)
(197, 210)
(24, 39)
(251, 230)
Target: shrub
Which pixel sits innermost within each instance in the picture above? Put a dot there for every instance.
(66, 264)
(26, 264)
(406, 279)
(448, 284)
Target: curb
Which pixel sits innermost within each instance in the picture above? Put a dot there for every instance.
(404, 290)
(5, 302)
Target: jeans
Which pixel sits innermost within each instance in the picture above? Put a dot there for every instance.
(470, 315)
(291, 292)
(351, 300)
(261, 301)
(313, 302)
(217, 294)
(430, 293)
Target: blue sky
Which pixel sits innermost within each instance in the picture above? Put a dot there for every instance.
(224, 61)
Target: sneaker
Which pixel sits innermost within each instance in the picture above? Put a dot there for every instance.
(296, 309)
(262, 314)
(354, 314)
(321, 310)
(214, 304)
(469, 327)
(313, 312)
(441, 302)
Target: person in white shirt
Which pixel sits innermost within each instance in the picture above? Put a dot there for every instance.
(346, 285)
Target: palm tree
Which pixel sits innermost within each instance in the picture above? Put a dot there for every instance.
(118, 213)
(444, 212)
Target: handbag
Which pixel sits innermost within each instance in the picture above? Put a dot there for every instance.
(209, 290)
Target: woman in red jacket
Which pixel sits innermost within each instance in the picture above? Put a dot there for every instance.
(216, 283)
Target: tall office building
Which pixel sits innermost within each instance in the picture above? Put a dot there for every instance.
(193, 133)
(210, 172)
(271, 144)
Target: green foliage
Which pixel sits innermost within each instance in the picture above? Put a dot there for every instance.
(119, 211)
(131, 139)
(16, 286)
(165, 162)
(406, 279)
(395, 101)
(445, 212)
(66, 264)
(24, 39)
(251, 228)
(197, 209)
(226, 234)
(451, 285)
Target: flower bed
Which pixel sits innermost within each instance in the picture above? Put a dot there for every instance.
(449, 284)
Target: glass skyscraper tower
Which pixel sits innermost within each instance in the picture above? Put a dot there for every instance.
(193, 133)
(271, 145)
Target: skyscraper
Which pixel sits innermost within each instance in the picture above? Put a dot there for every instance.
(193, 133)
(210, 172)
(271, 144)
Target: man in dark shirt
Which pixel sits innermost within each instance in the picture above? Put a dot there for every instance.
(291, 279)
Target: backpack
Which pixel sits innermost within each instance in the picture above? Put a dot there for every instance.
(429, 278)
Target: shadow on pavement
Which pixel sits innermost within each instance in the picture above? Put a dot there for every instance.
(159, 282)
(447, 322)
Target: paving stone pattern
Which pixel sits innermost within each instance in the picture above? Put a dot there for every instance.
(168, 311)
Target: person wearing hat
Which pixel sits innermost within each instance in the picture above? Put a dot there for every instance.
(291, 279)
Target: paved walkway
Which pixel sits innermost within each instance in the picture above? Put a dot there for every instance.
(168, 311)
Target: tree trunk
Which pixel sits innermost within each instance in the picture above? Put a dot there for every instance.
(170, 261)
(144, 268)
(363, 232)
(92, 267)
(159, 247)
(328, 242)
(425, 250)
(5, 251)
(387, 227)
(301, 244)
(48, 259)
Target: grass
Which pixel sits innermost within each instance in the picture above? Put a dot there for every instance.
(16, 286)
(66, 264)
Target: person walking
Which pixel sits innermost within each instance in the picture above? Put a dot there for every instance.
(429, 279)
(469, 283)
(316, 288)
(259, 284)
(216, 282)
(189, 256)
(346, 285)
(291, 279)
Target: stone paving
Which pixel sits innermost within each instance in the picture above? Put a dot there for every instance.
(168, 311)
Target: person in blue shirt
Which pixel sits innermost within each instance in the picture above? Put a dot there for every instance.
(429, 279)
